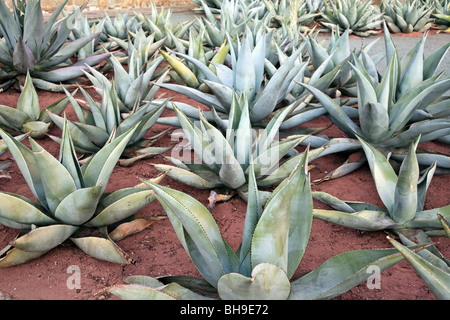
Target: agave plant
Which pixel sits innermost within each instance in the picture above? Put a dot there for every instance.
(295, 13)
(160, 24)
(30, 45)
(70, 199)
(403, 196)
(340, 52)
(245, 77)
(442, 14)
(119, 26)
(360, 18)
(224, 159)
(407, 16)
(82, 28)
(430, 264)
(275, 236)
(233, 20)
(102, 122)
(27, 117)
(132, 83)
(387, 110)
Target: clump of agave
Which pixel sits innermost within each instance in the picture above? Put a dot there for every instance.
(407, 16)
(275, 236)
(403, 196)
(233, 20)
(102, 123)
(224, 158)
(246, 76)
(400, 107)
(32, 45)
(27, 117)
(119, 26)
(442, 14)
(160, 24)
(70, 198)
(295, 13)
(82, 28)
(131, 82)
(361, 18)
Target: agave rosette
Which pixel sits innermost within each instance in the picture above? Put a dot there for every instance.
(400, 107)
(403, 196)
(292, 12)
(407, 16)
(233, 20)
(360, 18)
(30, 45)
(102, 122)
(27, 117)
(119, 26)
(160, 24)
(70, 198)
(132, 83)
(269, 254)
(223, 156)
(246, 76)
(83, 28)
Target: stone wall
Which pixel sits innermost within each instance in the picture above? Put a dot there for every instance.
(50, 5)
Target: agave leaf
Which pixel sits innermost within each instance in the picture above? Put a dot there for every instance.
(12, 118)
(200, 234)
(384, 176)
(405, 199)
(412, 68)
(79, 138)
(66, 52)
(12, 257)
(363, 220)
(129, 228)
(254, 211)
(28, 100)
(429, 218)
(79, 206)
(197, 95)
(28, 166)
(265, 102)
(99, 169)
(341, 273)
(279, 243)
(267, 282)
(432, 62)
(188, 177)
(345, 123)
(44, 238)
(445, 224)
(123, 208)
(23, 58)
(410, 237)
(102, 249)
(56, 180)
(182, 70)
(22, 210)
(138, 292)
(437, 280)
